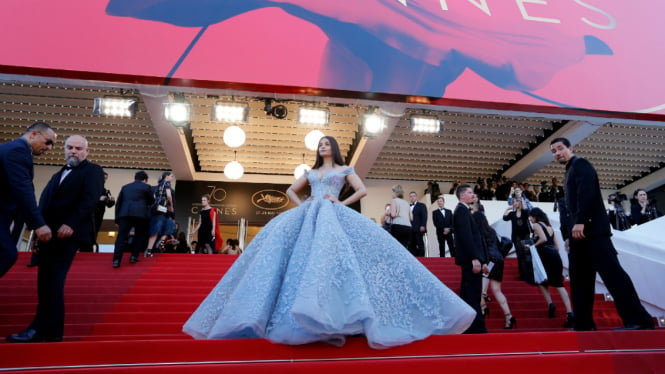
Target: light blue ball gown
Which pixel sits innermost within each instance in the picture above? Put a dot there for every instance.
(321, 272)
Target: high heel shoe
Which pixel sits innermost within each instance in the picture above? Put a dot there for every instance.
(570, 321)
(551, 310)
(485, 311)
(510, 322)
(487, 298)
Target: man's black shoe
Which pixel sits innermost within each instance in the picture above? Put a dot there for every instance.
(32, 264)
(116, 263)
(634, 327)
(25, 336)
(583, 329)
(133, 260)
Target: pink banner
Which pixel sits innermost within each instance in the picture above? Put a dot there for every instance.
(589, 54)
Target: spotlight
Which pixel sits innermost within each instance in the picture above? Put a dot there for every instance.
(373, 124)
(230, 112)
(279, 111)
(313, 116)
(115, 106)
(426, 124)
(178, 112)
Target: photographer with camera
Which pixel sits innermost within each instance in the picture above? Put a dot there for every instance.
(618, 218)
(517, 194)
(643, 210)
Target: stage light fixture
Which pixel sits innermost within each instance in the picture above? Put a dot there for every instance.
(178, 112)
(230, 112)
(279, 111)
(373, 123)
(426, 124)
(313, 116)
(115, 106)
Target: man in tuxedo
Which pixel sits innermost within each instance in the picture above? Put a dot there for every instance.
(133, 211)
(469, 255)
(591, 248)
(443, 221)
(67, 204)
(418, 226)
(17, 193)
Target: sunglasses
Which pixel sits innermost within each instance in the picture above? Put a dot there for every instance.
(48, 141)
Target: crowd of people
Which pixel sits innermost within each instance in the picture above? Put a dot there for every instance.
(317, 272)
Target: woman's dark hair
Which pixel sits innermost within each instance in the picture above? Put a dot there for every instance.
(336, 153)
(540, 216)
(638, 191)
(164, 175)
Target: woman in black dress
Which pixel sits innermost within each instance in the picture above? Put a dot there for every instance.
(206, 228)
(518, 215)
(548, 250)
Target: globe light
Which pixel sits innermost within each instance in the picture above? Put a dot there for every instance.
(300, 170)
(312, 139)
(234, 136)
(233, 170)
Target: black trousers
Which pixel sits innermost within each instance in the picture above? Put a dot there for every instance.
(471, 289)
(597, 255)
(443, 240)
(401, 233)
(139, 242)
(55, 260)
(417, 244)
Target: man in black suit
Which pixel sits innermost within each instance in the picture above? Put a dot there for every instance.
(443, 221)
(67, 204)
(106, 200)
(591, 248)
(469, 255)
(133, 211)
(17, 193)
(418, 226)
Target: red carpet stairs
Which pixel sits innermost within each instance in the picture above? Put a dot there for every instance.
(130, 319)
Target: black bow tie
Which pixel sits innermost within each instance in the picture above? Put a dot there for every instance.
(410, 204)
(68, 167)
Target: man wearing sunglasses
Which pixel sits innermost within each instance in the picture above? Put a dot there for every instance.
(17, 193)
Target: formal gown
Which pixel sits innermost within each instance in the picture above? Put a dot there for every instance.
(321, 272)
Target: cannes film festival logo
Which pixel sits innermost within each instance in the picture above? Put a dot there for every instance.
(270, 199)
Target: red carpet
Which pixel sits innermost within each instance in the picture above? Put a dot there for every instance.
(130, 319)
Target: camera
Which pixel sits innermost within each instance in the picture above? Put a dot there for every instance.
(617, 198)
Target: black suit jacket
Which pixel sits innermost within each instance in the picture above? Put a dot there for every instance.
(16, 188)
(73, 201)
(468, 242)
(134, 200)
(419, 216)
(584, 201)
(441, 222)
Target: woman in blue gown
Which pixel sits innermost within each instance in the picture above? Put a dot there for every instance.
(322, 271)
